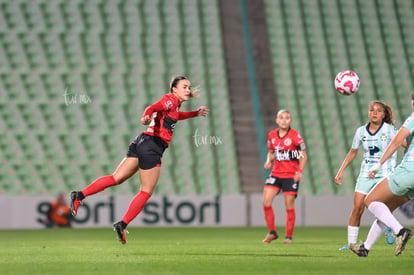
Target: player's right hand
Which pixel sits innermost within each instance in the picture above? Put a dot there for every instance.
(267, 165)
(145, 120)
(338, 179)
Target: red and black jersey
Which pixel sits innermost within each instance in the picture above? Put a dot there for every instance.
(287, 152)
(165, 115)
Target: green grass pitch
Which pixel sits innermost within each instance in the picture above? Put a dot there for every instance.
(193, 251)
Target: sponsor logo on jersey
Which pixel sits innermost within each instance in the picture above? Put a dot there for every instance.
(168, 104)
(282, 155)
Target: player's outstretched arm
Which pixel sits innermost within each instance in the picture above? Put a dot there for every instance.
(348, 159)
(202, 111)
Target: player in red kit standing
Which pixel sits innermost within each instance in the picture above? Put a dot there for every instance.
(145, 152)
(287, 158)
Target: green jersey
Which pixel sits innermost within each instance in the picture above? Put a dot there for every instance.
(374, 145)
(409, 124)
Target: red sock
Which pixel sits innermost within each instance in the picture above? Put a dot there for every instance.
(270, 218)
(136, 206)
(99, 185)
(290, 222)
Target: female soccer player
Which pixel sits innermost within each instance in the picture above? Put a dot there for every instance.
(374, 137)
(145, 152)
(286, 152)
(391, 192)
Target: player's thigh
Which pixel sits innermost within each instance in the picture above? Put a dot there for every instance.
(401, 182)
(126, 169)
(269, 193)
(397, 201)
(381, 192)
(149, 178)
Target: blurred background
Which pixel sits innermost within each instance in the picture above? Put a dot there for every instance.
(75, 77)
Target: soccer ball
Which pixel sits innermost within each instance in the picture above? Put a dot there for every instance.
(347, 82)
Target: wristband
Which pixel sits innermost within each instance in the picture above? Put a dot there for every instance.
(375, 168)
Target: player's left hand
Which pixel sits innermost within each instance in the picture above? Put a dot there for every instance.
(297, 176)
(146, 120)
(202, 111)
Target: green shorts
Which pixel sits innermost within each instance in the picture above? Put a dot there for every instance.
(364, 184)
(401, 182)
